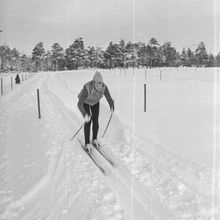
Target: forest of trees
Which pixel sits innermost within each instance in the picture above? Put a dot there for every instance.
(120, 55)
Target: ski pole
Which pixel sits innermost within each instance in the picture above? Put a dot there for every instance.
(107, 124)
(78, 131)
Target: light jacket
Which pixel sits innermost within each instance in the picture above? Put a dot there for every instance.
(91, 96)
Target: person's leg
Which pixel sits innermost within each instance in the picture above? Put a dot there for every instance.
(87, 125)
(95, 120)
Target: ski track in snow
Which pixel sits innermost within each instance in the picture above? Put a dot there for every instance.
(163, 184)
(184, 180)
(54, 184)
(144, 213)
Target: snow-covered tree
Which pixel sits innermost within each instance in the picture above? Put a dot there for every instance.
(211, 61)
(75, 54)
(58, 57)
(5, 58)
(201, 55)
(183, 58)
(143, 55)
(190, 58)
(111, 55)
(96, 57)
(153, 51)
(37, 55)
(15, 60)
(129, 57)
(47, 64)
(217, 60)
(169, 54)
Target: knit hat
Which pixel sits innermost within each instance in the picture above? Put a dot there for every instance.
(97, 77)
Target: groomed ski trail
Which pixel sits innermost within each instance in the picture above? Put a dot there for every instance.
(146, 203)
(139, 201)
(27, 206)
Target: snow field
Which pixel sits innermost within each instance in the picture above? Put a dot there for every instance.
(164, 156)
(194, 169)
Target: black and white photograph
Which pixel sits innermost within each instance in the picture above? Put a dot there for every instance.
(109, 109)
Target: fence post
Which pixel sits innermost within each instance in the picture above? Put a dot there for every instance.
(38, 102)
(1, 86)
(11, 82)
(160, 75)
(145, 97)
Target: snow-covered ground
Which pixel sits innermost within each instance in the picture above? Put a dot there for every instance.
(167, 158)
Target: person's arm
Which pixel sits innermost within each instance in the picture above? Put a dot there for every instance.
(82, 98)
(109, 99)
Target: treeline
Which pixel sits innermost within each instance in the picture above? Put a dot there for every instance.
(120, 55)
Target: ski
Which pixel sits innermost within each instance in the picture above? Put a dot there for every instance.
(89, 154)
(103, 154)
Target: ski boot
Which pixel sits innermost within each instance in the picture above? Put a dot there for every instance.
(88, 148)
(96, 143)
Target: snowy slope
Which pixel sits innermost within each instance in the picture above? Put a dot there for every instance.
(163, 157)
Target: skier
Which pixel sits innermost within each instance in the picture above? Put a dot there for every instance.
(88, 105)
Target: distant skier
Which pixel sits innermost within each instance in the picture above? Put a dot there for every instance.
(17, 79)
(88, 105)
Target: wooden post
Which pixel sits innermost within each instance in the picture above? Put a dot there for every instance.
(1, 86)
(38, 102)
(22, 78)
(160, 75)
(11, 82)
(145, 97)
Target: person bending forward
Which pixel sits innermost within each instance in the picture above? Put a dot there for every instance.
(88, 105)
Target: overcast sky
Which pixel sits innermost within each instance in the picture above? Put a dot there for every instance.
(185, 23)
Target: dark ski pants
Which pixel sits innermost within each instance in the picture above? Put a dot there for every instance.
(94, 112)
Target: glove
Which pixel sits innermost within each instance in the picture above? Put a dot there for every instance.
(87, 118)
(112, 107)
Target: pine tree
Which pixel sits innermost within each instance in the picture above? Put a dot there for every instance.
(122, 52)
(190, 59)
(183, 58)
(25, 63)
(153, 51)
(57, 56)
(211, 61)
(96, 57)
(201, 55)
(112, 55)
(37, 55)
(169, 54)
(75, 54)
(47, 64)
(217, 60)
(129, 54)
(15, 60)
(5, 61)
(92, 56)
(142, 54)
